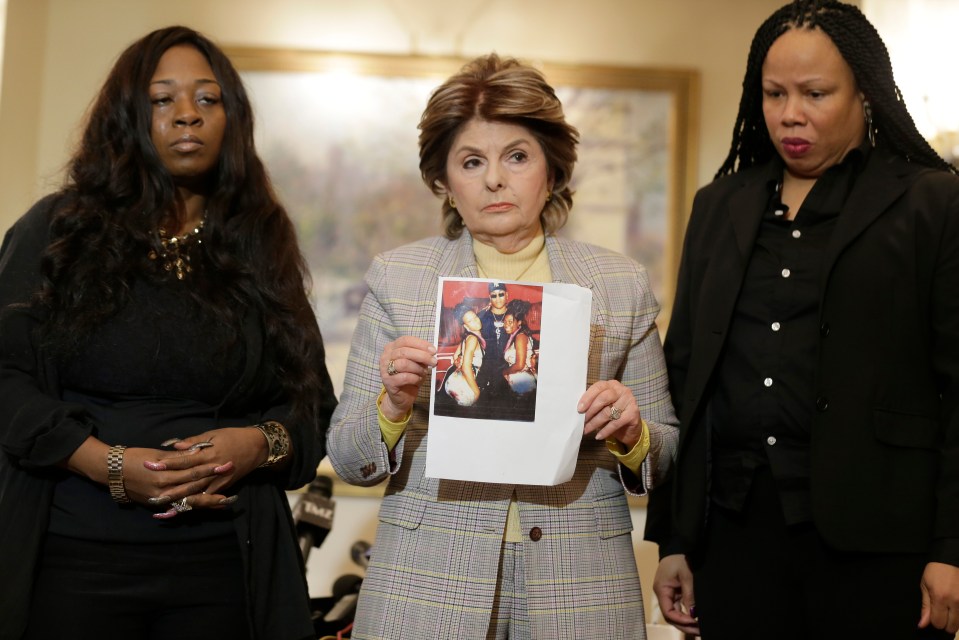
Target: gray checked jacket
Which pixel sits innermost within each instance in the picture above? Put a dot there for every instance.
(437, 552)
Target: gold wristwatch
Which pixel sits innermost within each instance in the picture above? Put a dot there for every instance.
(115, 475)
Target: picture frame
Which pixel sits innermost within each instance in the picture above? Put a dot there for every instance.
(337, 132)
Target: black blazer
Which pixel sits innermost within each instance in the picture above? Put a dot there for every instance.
(885, 434)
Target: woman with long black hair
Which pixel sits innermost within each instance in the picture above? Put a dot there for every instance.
(162, 375)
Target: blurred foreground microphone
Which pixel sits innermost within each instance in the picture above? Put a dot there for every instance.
(360, 553)
(313, 514)
(346, 592)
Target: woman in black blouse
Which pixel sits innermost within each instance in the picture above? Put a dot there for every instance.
(162, 375)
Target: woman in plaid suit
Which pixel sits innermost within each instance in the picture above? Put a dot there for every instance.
(458, 559)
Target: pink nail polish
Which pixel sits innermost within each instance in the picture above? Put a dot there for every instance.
(154, 466)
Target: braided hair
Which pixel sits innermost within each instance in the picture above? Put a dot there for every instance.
(865, 53)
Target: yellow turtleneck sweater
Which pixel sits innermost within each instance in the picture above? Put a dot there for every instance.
(530, 264)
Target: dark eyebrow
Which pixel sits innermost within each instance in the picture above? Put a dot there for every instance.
(510, 145)
(201, 81)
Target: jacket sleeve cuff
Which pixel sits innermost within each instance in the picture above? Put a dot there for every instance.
(945, 550)
(391, 431)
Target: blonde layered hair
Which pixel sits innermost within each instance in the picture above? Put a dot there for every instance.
(498, 90)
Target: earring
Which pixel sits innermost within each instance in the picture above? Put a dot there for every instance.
(549, 196)
(867, 113)
(452, 201)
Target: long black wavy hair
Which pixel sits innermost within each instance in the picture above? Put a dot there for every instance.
(863, 50)
(117, 195)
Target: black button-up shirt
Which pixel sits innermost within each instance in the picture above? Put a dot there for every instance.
(764, 400)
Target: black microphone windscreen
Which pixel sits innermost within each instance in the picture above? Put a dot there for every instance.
(345, 584)
(313, 513)
(322, 485)
(360, 553)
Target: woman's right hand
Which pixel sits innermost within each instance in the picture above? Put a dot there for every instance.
(158, 488)
(405, 363)
(142, 484)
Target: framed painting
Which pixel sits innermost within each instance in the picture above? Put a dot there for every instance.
(338, 133)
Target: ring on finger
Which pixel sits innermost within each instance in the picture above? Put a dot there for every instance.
(391, 368)
(181, 505)
(614, 412)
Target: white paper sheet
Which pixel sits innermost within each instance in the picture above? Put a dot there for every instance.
(543, 451)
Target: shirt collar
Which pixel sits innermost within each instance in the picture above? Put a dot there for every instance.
(832, 188)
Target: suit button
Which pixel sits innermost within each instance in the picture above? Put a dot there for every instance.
(535, 534)
(822, 403)
(824, 329)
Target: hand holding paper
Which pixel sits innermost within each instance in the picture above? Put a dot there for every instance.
(611, 412)
(404, 364)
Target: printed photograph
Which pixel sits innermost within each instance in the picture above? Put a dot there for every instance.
(488, 350)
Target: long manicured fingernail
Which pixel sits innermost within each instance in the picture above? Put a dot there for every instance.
(154, 466)
(159, 500)
(223, 468)
(170, 442)
(200, 445)
(229, 500)
(166, 515)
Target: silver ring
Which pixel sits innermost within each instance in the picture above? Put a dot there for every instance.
(391, 369)
(181, 505)
(614, 412)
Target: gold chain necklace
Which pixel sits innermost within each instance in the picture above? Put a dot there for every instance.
(174, 252)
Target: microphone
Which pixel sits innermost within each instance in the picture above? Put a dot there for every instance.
(346, 592)
(313, 514)
(360, 553)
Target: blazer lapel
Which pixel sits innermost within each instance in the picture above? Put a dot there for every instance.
(559, 266)
(878, 186)
(724, 277)
(463, 263)
(722, 280)
(746, 208)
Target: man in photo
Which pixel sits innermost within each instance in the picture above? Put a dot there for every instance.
(492, 384)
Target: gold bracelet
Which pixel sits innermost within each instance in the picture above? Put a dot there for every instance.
(277, 442)
(115, 475)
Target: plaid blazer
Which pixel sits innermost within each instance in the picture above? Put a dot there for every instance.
(434, 566)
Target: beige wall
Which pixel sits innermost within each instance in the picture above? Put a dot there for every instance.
(20, 97)
(59, 51)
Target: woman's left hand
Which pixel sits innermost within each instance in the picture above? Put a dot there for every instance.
(611, 412)
(237, 450)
